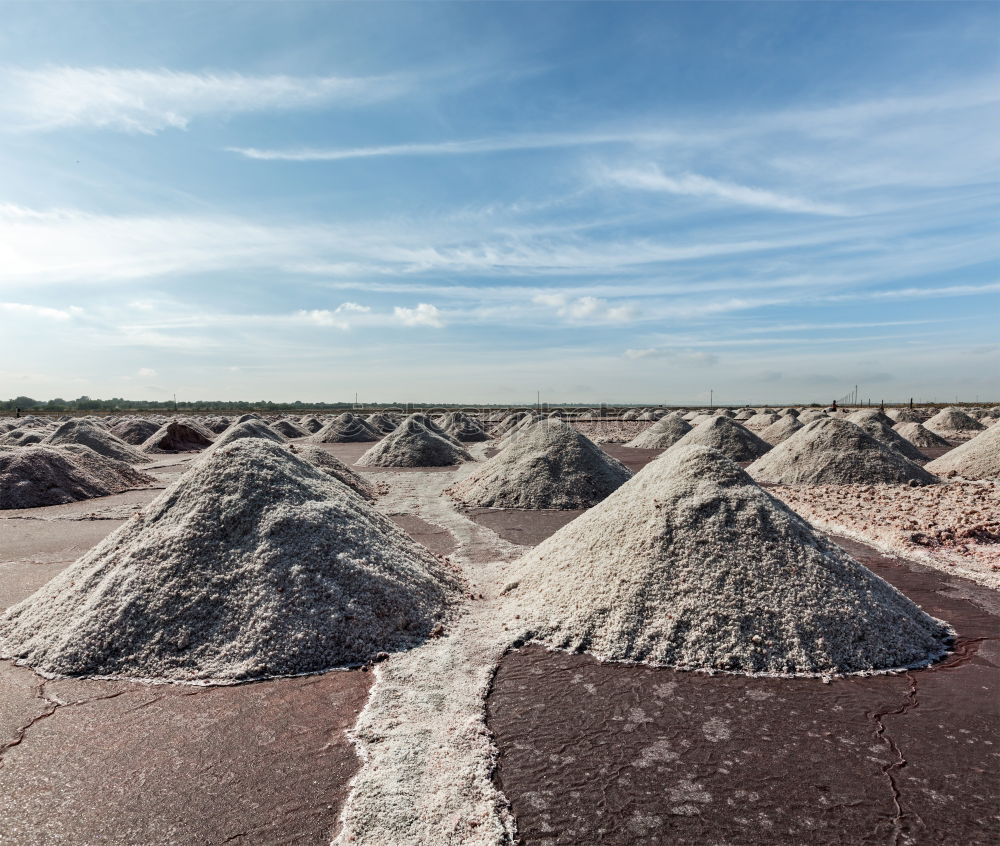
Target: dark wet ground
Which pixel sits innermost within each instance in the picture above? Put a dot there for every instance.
(594, 753)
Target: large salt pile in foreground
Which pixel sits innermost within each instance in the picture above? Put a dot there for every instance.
(728, 437)
(549, 465)
(919, 436)
(952, 421)
(99, 439)
(975, 459)
(255, 563)
(835, 452)
(34, 476)
(413, 445)
(347, 428)
(178, 436)
(661, 435)
(333, 466)
(692, 565)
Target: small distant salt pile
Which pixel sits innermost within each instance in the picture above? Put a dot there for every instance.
(34, 476)
(809, 416)
(289, 429)
(509, 422)
(661, 435)
(836, 452)
(246, 429)
(692, 565)
(919, 436)
(413, 445)
(253, 564)
(762, 419)
(333, 466)
(789, 412)
(21, 437)
(520, 428)
(99, 439)
(975, 459)
(217, 425)
(463, 428)
(135, 431)
(178, 436)
(952, 421)
(728, 437)
(346, 429)
(906, 415)
(889, 437)
(310, 424)
(550, 465)
(246, 418)
(781, 430)
(866, 415)
(380, 422)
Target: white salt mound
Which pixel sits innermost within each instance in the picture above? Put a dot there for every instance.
(661, 435)
(728, 437)
(783, 429)
(412, 445)
(99, 439)
(975, 459)
(866, 414)
(253, 564)
(836, 452)
(380, 422)
(134, 431)
(347, 428)
(178, 436)
(908, 415)
(952, 420)
(289, 429)
(550, 465)
(889, 437)
(692, 565)
(247, 429)
(34, 476)
(333, 466)
(919, 436)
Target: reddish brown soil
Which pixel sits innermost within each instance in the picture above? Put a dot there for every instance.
(615, 754)
(527, 528)
(436, 538)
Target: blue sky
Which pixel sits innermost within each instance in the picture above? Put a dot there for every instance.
(471, 202)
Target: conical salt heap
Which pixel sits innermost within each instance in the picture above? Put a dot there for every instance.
(462, 427)
(783, 429)
(889, 437)
(549, 465)
(333, 466)
(692, 565)
(178, 436)
(346, 429)
(728, 437)
(865, 414)
(99, 439)
(380, 422)
(975, 459)
(906, 415)
(34, 476)
(253, 564)
(289, 429)
(413, 445)
(134, 431)
(247, 429)
(835, 452)
(951, 421)
(310, 424)
(919, 436)
(661, 435)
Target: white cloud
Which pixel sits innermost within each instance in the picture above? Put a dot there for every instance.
(423, 315)
(27, 310)
(149, 101)
(586, 309)
(651, 178)
(338, 317)
(146, 372)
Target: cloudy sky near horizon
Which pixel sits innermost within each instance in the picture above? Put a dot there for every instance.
(472, 202)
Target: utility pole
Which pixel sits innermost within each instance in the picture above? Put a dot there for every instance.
(711, 399)
(538, 400)
(175, 403)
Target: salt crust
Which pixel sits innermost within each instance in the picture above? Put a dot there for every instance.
(412, 445)
(835, 452)
(692, 565)
(99, 439)
(35, 476)
(975, 459)
(549, 465)
(253, 564)
(728, 437)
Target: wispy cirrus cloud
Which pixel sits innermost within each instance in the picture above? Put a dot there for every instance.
(44, 312)
(149, 101)
(651, 178)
